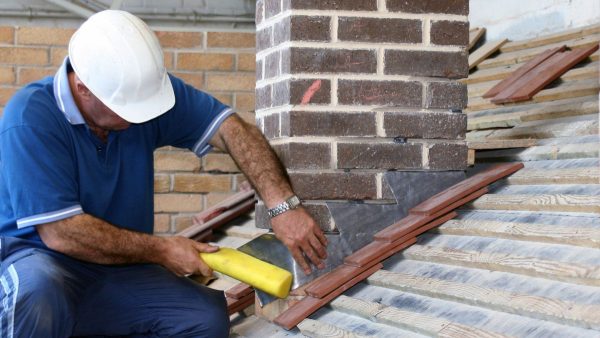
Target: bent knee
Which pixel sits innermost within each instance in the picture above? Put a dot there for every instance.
(40, 306)
(211, 319)
(218, 323)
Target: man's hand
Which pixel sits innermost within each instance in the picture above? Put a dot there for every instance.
(302, 236)
(182, 256)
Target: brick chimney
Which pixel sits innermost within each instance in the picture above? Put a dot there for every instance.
(350, 92)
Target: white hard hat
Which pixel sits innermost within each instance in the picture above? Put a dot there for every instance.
(119, 59)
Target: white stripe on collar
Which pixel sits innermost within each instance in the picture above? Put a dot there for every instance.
(64, 97)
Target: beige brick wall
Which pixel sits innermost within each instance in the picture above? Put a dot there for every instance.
(221, 63)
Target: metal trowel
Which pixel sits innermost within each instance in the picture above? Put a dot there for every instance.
(269, 249)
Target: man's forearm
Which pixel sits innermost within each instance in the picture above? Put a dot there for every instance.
(257, 160)
(93, 240)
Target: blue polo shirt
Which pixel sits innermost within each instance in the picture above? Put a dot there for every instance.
(52, 166)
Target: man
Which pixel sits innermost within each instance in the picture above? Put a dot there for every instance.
(78, 257)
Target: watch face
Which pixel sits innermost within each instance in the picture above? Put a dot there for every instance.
(294, 201)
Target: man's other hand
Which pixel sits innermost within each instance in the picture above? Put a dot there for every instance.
(182, 256)
(302, 236)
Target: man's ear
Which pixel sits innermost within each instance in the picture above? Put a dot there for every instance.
(81, 89)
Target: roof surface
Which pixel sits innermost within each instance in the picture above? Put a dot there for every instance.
(520, 261)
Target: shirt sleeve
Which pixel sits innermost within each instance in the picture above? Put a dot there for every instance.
(193, 120)
(39, 174)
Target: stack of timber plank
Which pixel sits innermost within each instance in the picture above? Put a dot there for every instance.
(537, 73)
(205, 222)
(239, 297)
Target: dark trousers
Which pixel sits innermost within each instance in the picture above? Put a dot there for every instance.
(47, 294)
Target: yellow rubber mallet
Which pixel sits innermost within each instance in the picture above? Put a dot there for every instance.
(252, 271)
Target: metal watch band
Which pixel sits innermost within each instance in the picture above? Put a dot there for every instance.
(289, 204)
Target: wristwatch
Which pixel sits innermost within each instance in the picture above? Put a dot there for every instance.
(289, 204)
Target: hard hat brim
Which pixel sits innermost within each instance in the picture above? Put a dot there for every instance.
(149, 108)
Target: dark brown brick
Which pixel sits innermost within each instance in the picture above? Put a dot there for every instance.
(259, 69)
(460, 7)
(312, 60)
(447, 95)
(299, 123)
(347, 5)
(426, 63)
(450, 33)
(318, 211)
(296, 155)
(272, 65)
(447, 156)
(263, 97)
(335, 186)
(260, 11)
(272, 8)
(271, 126)
(299, 91)
(303, 28)
(379, 30)
(379, 156)
(388, 93)
(264, 39)
(425, 125)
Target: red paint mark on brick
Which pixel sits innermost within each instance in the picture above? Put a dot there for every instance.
(310, 92)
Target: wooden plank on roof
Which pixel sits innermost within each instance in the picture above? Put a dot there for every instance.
(572, 90)
(508, 262)
(588, 71)
(405, 319)
(238, 291)
(530, 83)
(532, 232)
(357, 307)
(517, 74)
(541, 153)
(539, 202)
(484, 51)
(471, 157)
(503, 117)
(511, 58)
(474, 35)
(501, 144)
(237, 305)
(228, 215)
(551, 38)
(249, 232)
(552, 309)
(492, 76)
(314, 328)
(590, 175)
(542, 129)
